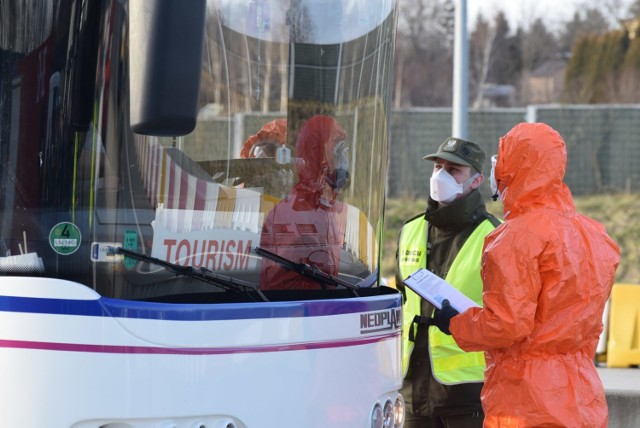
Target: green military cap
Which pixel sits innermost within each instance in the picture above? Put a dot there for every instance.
(461, 152)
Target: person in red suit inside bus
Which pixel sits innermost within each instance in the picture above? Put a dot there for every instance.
(308, 225)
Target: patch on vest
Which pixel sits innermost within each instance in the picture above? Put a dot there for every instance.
(410, 256)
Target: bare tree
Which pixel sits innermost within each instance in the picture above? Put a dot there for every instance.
(585, 21)
(615, 11)
(425, 47)
(494, 57)
(538, 45)
(399, 71)
(482, 41)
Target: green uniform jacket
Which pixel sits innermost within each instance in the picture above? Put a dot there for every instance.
(443, 378)
(451, 365)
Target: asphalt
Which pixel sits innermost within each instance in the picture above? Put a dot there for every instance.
(622, 389)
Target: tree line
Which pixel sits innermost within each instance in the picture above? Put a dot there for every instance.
(598, 51)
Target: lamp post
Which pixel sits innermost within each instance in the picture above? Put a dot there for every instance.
(460, 72)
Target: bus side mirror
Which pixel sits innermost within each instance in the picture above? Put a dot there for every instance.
(166, 39)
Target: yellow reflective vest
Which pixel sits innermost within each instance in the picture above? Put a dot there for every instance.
(450, 364)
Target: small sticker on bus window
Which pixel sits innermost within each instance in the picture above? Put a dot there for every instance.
(130, 243)
(102, 252)
(65, 238)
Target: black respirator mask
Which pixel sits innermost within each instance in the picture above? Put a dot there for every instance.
(339, 178)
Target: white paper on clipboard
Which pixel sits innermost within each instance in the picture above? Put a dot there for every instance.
(435, 289)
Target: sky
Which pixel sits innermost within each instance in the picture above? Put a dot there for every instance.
(523, 12)
(518, 11)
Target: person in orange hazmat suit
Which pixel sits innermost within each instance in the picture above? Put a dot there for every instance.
(308, 226)
(270, 142)
(547, 273)
(266, 141)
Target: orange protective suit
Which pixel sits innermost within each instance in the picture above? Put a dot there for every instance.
(547, 273)
(308, 226)
(272, 135)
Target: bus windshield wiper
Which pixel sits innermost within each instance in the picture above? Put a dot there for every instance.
(203, 274)
(307, 270)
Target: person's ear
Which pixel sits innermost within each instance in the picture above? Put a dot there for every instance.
(477, 182)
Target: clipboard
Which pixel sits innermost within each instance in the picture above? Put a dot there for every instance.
(431, 287)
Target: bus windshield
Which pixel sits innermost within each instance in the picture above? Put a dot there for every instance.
(288, 153)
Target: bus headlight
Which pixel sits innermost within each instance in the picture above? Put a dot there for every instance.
(377, 417)
(398, 412)
(388, 415)
(388, 412)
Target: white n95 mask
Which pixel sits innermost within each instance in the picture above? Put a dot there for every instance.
(444, 188)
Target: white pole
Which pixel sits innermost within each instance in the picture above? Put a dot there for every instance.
(460, 72)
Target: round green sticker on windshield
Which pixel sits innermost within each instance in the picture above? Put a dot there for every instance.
(64, 238)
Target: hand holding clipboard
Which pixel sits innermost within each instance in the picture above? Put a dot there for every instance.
(435, 289)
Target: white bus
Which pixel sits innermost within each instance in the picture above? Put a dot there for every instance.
(191, 213)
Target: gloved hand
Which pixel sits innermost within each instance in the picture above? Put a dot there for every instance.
(442, 317)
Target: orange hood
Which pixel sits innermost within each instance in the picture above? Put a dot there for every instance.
(274, 132)
(531, 164)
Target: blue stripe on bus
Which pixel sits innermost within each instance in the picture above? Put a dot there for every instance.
(107, 307)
